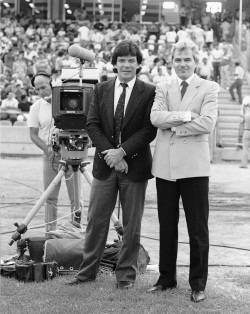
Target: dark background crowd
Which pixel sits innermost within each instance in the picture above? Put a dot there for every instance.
(31, 45)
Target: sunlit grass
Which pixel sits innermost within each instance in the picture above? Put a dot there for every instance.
(227, 292)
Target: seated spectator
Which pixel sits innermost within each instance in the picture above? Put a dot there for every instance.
(24, 106)
(149, 59)
(15, 80)
(30, 31)
(203, 53)
(205, 69)
(154, 29)
(170, 71)
(3, 82)
(106, 53)
(20, 66)
(159, 77)
(100, 65)
(182, 33)
(84, 31)
(171, 36)
(199, 36)
(9, 59)
(42, 64)
(61, 32)
(159, 63)
(135, 36)
(8, 104)
(19, 29)
(19, 92)
(68, 61)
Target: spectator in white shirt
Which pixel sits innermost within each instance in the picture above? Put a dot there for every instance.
(9, 103)
(159, 77)
(209, 36)
(238, 81)
(199, 36)
(84, 33)
(217, 55)
(205, 69)
(171, 36)
(182, 33)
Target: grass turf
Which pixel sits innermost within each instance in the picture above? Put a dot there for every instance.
(227, 292)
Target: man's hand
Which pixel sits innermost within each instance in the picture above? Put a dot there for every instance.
(122, 166)
(48, 151)
(113, 156)
(194, 115)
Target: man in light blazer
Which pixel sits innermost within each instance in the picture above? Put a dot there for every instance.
(122, 162)
(185, 112)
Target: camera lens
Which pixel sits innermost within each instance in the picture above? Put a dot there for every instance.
(71, 102)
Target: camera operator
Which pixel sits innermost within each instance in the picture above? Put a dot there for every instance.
(41, 126)
(122, 162)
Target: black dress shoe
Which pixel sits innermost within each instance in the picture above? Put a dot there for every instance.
(156, 288)
(197, 296)
(124, 284)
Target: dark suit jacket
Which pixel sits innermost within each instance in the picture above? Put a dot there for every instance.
(137, 130)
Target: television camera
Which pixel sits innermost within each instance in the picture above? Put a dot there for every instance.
(70, 105)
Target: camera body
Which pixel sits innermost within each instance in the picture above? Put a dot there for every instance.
(70, 106)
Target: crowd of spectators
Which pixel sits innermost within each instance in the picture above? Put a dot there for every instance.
(29, 46)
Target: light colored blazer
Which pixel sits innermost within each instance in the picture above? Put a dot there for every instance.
(185, 152)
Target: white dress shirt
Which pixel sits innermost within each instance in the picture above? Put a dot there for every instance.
(119, 89)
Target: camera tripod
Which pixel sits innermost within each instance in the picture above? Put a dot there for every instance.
(77, 164)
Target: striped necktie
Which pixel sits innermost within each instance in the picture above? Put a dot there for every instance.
(119, 112)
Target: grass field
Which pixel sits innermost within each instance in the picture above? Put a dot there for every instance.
(228, 287)
(228, 292)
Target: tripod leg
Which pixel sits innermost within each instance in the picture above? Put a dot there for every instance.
(115, 220)
(23, 227)
(76, 216)
(44, 197)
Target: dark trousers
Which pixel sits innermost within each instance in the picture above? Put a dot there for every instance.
(238, 85)
(103, 197)
(216, 66)
(194, 194)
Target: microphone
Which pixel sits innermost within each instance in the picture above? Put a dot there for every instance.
(81, 53)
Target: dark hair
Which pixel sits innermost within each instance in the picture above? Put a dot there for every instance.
(23, 97)
(127, 48)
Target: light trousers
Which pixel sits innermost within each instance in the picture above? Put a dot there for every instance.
(50, 171)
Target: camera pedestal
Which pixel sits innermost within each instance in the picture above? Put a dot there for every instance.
(76, 214)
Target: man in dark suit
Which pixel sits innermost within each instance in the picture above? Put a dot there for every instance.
(185, 111)
(120, 128)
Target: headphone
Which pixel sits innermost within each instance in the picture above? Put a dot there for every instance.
(43, 74)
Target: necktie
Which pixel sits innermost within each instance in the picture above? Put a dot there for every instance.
(119, 112)
(184, 85)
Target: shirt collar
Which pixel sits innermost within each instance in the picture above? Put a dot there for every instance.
(187, 80)
(130, 83)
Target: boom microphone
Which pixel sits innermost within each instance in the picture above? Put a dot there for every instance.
(81, 53)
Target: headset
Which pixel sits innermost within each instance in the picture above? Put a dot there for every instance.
(43, 74)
